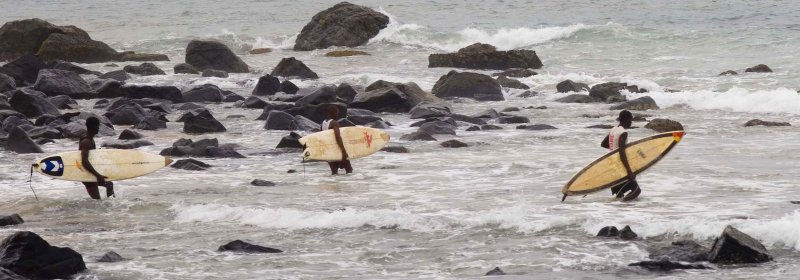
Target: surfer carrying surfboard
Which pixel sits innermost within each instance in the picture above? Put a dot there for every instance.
(617, 138)
(85, 145)
(332, 114)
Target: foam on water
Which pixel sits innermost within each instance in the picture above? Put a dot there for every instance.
(781, 100)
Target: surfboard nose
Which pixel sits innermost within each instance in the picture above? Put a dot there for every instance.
(167, 161)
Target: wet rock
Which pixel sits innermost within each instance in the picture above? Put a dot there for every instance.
(601, 126)
(528, 94)
(483, 56)
(536, 127)
(133, 56)
(290, 141)
(344, 24)
(510, 119)
(729, 72)
(639, 104)
(627, 233)
(467, 119)
(316, 113)
(262, 183)
(516, 73)
(288, 87)
(63, 102)
(60, 82)
(21, 37)
(468, 85)
(244, 247)
(397, 98)
(291, 67)
(363, 120)
(570, 86)
(202, 123)
(43, 141)
(76, 47)
(359, 112)
(45, 132)
(454, 144)
(130, 135)
(305, 124)
(27, 254)
(6, 274)
(170, 93)
(511, 83)
(278, 120)
(151, 123)
(608, 231)
(204, 93)
(395, 149)
(126, 144)
(63, 65)
(144, 69)
(31, 104)
(253, 102)
(7, 83)
(19, 142)
(474, 128)
(488, 114)
(682, 251)
(10, 220)
(665, 265)
(607, 90)
(185, 68)
(346, 92)
(229, 96)
(495, 272)
(267, 85)
(490, 127)
(664, 125)
(110, 257)
(13, 121)
(510, 109)
(734, 247)
(761, 68)
(127, 114)
(417, 136)
(757, 122)
(579, 98)
(430, 110)
(260, 51)
(380, 84)
(437, 127)
(24, 69)
(190, 164)
(214, 55)
(344, 53)
(119, 75)
(326, 94)
(214, 73)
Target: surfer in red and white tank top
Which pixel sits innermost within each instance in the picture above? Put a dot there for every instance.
(617, 139)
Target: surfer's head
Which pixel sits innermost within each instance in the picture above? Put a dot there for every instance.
(332, 112)
(92, 126)
(625, 118)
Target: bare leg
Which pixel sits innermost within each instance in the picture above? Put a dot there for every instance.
(91, 188)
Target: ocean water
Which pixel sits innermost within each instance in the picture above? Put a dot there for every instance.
(443, 213)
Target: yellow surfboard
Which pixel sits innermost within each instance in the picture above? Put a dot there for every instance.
(608, 171)
(358, 141)
(113, 163)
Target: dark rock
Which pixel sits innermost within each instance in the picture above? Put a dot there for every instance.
(665, 265)
(608, 231)
(278, 120)
(437, 127)
(757, 122)
(510, 119)
(468, 85)
(10, 220)
(616, 99)
(32, 105)
(63, 102)
(7, 83)
(305, 124)
(516, 73)
(126, 144)
(363, 120)
(19, 142)
(170, 93)
(190, 106)
(27, 254)
(144, 69)
(735, 247)
(24, 69)
(151, 123)
(204, 93)
(379, 84)
(76, 48)
(185, 68)
(395, 149)
(214, 55)
(536, 127)
(43, 141)
(244, 247)
(253, 102)
(490, 127)
(482, 56)
(417, 136)
(606, 90)
(290, 141)
(467, 119)
(110, 257)
(344, 24)
(45, 132)
(130, 135)
(223, 152)
(260, 51)
(21, 37)
(346, 92)
(288, 87)
(570, 86)
(127, 114)
(214, 73)
(107, 88)
(345, 53)
(63, 65)
(119, 75)
(267, 85)
(528, 94)
(579, 98)
(58, 82)
(262, 183)
(488, 114)
(133, 56)
(229, 96)
(359, 112)
(430, 110)
(13, 121)
(190, 164)
(202, 123)
(761, 68)
(627, 233)
(450, 121)
(495, 272)
(398, 98)
(454, 144)
(601, 126)
(316, 113)
(73, 130)
(511, 83)
(664, 125)
(640, 104)
(510, 109)
(291, 67)
(326, 94)
(681, 251)
(729, 72)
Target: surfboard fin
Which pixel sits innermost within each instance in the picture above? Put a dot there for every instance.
(563, 198)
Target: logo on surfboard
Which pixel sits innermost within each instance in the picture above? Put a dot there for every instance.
(368, 137)
(52, 166)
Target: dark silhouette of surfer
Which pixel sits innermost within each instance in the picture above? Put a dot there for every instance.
(332, 114)
(617, 138)
(87, 144)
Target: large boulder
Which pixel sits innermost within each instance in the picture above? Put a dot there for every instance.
(19, 142)
(291, 67)
(278, 120)
(119, 75)
(27, 254)
(679, 251)
(170, 93)
(204, 93)
(31, 36)
(326, 94)
(134, 56)
(608, 90)
(10, 220)
(483, 56)
(346, 92)
(24, 69)
(761, 68)
(316, 113)
(7, 83)
(344, 24)
(664, 125)
(144, 69)
(31, 104)
(291, 141)
(128, 114)
(570, 86)
(107, 88)
(507, 82)
(734, 247)
(185, 68)
(21, 37)
(64, 65)
(267, 85)
(288, 87)
(639, 104)
(60, 82)
(579, 98)
(202, 122)
(468, 85)
(430, 110)
(76, 48)
(393, 98)
(214, 55)
(63, 102)
(438, 127)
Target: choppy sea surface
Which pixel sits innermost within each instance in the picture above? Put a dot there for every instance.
(436, 212)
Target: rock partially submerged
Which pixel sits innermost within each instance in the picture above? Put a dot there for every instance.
(110, 257)
(190, 164)
(483, 56)
(664, 125)
(27, 254)
(761, 68)
(291, 67)
(244, 247)
(10, 220)
(495, 272)
(665, 265)
(639, 104)
(262, 183)
(757, 122)
(468, 85)
(570, 86)
(214, 55)
(344, 24)
(453, 143)
(734, 247)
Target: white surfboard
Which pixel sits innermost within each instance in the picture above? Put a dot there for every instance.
(358, 141)
(113, 163)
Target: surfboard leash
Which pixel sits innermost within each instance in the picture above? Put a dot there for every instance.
(30, 182)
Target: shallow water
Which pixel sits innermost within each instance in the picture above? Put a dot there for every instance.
(445, 213)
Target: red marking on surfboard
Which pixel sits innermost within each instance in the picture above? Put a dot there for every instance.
(368, 137)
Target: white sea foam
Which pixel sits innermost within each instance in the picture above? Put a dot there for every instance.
(780, 100)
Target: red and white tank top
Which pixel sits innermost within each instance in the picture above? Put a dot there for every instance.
(613, 137)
